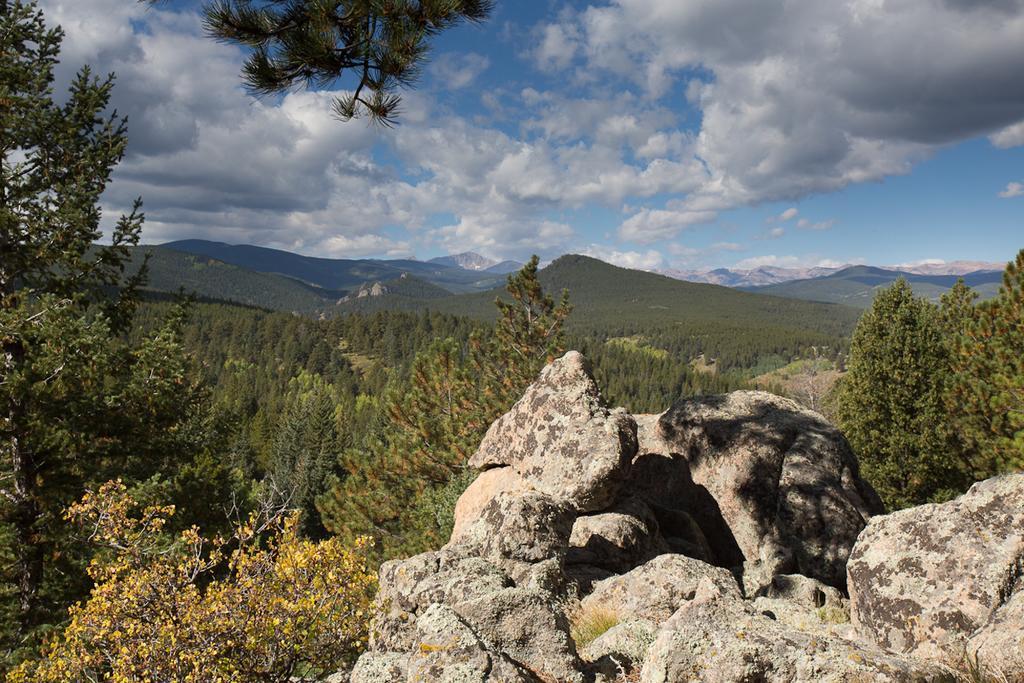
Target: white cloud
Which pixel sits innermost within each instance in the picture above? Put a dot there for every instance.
(646, 260)
(800, 98)
(651, 225)
(1012, 190)
(791, 261)
(776, 233)
(921, 262)
(811, 86)
(556, 47)
(805, 224)
(1011, 136)
(787, 215)
(456, 71)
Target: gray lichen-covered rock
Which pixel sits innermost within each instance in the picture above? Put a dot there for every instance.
(518, 531)
(924, 580)
(485, 488)
(719, 638)
(781, 477)
(529, 627)
(805, 604)
(999, 646)
(562, 440)
(655, 590)
(449, 651)
(407, 587)
(618, 539)
(379, 667)
(623, 647)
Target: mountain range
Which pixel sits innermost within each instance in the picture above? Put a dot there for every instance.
(857, 285)
(772, 275)
(467, 283)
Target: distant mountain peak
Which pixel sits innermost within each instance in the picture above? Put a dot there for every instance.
(751, 277)
(936, 267)
(468, 260)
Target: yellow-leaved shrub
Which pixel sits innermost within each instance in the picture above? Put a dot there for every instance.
(261, 605)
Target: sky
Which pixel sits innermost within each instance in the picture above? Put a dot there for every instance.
(655, 134)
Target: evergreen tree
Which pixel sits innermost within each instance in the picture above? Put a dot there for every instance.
(986, 397)
(76, 401)
(306, 449)
(890, 403)
(404, 491)
(380, 45)
(528, 333)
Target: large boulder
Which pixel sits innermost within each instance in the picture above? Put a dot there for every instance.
(618, 539)
(782, 478)
(805, 604)
(519, 532)
(623, 647)
(562, 440)
(655, 590)
(719, 638)
(529, 627)
(485, 488)
(998, 647)
(449, 651)
(377, 667)
(408, 587)
(924, 580)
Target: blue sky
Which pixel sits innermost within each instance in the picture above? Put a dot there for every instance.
(667, 134)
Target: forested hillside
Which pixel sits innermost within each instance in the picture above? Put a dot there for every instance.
(687, 319)
(341, 274)
(174, 271)
(739, 330)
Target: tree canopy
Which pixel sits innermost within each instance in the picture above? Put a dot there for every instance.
(374, 48)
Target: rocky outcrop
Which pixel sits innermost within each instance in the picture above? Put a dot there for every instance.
(528, 626)
(658, 588)
(998, 646)
(943, 578)
(562, 440)
(710, 543)
(618, 539)
(717, 638)
(784, 481)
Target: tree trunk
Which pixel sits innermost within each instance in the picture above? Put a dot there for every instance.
(22, 496)
(28, 550)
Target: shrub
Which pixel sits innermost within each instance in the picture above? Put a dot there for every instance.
(261, 605)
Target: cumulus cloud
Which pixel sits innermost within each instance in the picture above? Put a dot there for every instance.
(456, 71)
(651, 225)
(1012, 190)
(776, 233)
(640, 260)
(1011, 136)
(811, 85)
(786, 98)
(557, 45)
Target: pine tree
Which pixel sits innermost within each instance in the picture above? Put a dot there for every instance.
(402, 486)
(890, 405)
(380, 45)
(986, 397)
(306, 449)
(76, 400)
(529, 330)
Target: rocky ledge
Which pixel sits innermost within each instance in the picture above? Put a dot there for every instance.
(728, 539)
